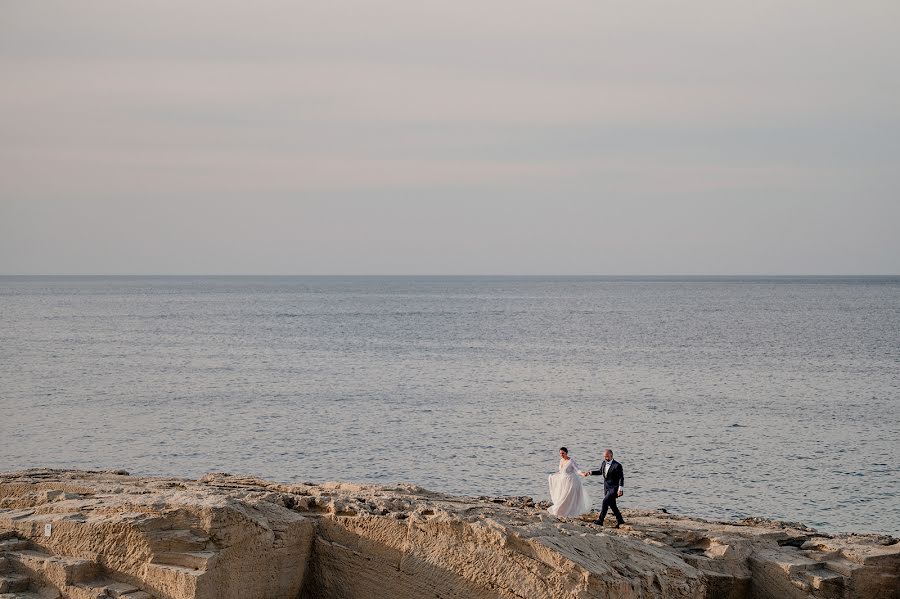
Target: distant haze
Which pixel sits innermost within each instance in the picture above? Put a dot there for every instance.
(417, 136)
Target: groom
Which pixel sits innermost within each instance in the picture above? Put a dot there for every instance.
(613, 481)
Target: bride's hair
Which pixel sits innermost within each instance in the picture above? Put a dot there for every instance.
(564, 449)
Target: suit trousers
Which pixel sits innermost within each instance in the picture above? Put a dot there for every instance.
(609, 503)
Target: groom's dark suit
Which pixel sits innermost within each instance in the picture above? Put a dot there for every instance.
(613, 480)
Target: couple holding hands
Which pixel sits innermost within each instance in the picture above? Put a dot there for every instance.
(569, 496)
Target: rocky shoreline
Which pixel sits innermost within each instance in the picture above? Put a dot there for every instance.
(90, 535)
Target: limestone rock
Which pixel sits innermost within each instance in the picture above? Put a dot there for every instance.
(224, 536)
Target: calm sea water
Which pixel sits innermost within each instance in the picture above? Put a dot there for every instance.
(722, 397)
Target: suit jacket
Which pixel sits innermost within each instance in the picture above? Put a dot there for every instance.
(615, 478)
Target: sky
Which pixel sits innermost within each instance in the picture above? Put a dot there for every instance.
(447, 137)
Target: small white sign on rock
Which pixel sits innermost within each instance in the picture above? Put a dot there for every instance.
(48, 528)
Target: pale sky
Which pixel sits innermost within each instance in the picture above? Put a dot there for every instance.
(426, 137)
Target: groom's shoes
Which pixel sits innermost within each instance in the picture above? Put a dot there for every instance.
(598, 522)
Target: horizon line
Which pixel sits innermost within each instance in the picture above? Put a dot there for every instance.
(460, 275)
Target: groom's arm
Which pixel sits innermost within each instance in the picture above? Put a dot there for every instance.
(621, 480)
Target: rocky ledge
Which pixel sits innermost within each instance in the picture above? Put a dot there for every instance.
(90, 535)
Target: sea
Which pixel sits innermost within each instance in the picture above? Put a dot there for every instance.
(723, 397)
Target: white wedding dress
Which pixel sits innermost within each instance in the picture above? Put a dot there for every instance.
(568, 495)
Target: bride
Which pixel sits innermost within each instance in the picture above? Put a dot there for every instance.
(566, 491)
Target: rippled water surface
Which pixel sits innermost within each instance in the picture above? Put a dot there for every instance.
(722, 397)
